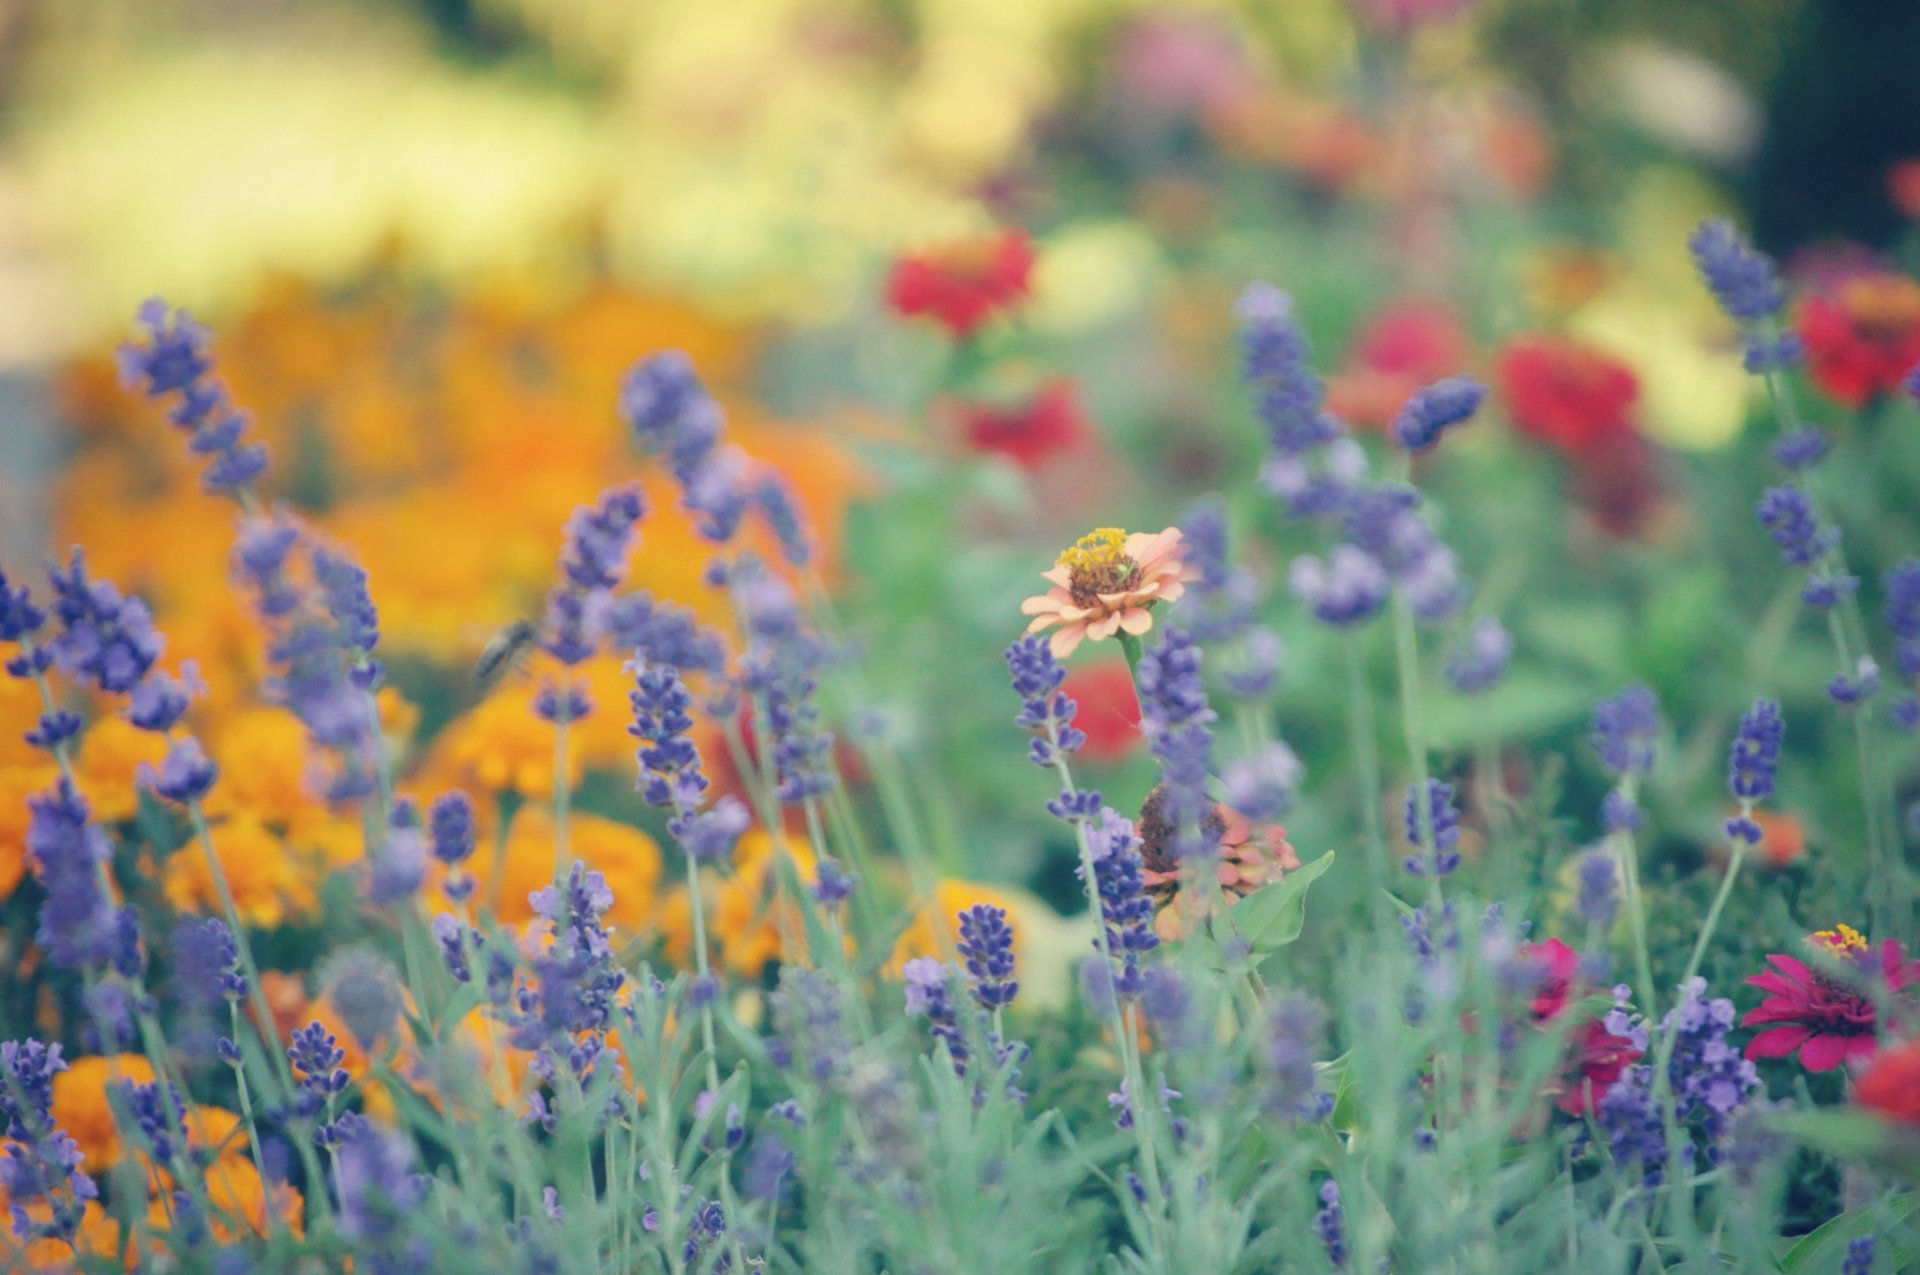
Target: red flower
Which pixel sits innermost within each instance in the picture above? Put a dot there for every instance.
(1863, 337)
(1599, 1056)
(1033, 432)
(1891, 1085)
(1827, 1021)
(1565, 394)
(963, 285)
(1109, 710)
(1404, 345)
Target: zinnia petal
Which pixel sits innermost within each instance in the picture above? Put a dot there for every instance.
(1824, 1053)
(1136, 620)
(1778, 1043)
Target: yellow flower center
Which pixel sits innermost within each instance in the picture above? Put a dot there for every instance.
(1098, 563)
(1841, 940)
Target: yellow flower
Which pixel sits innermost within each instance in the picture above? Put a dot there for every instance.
(500, 746)
(1107, 583)
(111, 754)
(269, 886)
(265, 766)
(748, 920)
(98, 1235)
(80, 1104)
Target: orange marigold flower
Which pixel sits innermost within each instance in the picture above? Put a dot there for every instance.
(1107, 584)
(273, 783)
(1863, 337)
(111, 754)
(98, 1236)
(628, 858)
(963, 285)
(270, 885)
(17, 783)
(1891, 1084)
(80, 1104)
(500, 746)
(748, 920)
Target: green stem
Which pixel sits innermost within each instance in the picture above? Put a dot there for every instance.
(1407, 655)
(1362, 737)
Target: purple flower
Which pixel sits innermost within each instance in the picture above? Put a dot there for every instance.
(1902, 613)
(662, 633)
(1293, 1037)
(161, 700)
(377, 1187)
(929, 996)
(78, 925)
(1862, 685)
(1434, 410)
(1176, 719)
(1788, 515)
(1599, 898)
(1754, 759)
(1444, 816)
(457, 939)
(41, 1159)
(1742, 279)
(777, 505)
(1348, 588)
(206, 964)
(1711, 1078)
(832, 884)
(811, 1023)
(599, 539)
(1262, 786)
(185, 776)
(1625, 729)
(1483, 660)
(986, 944)
(106, 640)
(173, 362)
(711, 835)
(671, 771)
(20, 619)
(1125, 909)
(451, 828)
(1860, 1254)
(316, 1057)
(559, 704)
(1330, 1224)
(1044, 709)
(1800, 450)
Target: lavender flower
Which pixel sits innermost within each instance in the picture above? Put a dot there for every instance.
(41, 1159)
(1125, 909)
(662, 633)
(1625, 729)
(1635, 1130)
(1432, 411)
(1293, 1036)
(1262, 786)
(106, 640)
(777, 505)
(377, 1187)
(316, 1057)
(1482, 661)
(1902, 614)
(1800, 450)
(1443, 855)
(1221, 603)
(599, 539)
(1348, 588)
(1862, 685)
(364, 990)
(671, 773)
(1599, 897)
(986, 944)
(20, 619)
(1176, 719)
(1860, 1254)
(185, 776)
(929, 997)
(451, 829)
(1742, 279)
(160, 700)
(1044, 708)
(1752, 763)
(672, 416)
(1711, 1078)
(811, 1024)
(832, 884)
(173, 362)
(1330, 1224)
(1788, 515)
(78, 925)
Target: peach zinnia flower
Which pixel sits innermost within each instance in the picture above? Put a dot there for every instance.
(1106, 584)
(1247, 858)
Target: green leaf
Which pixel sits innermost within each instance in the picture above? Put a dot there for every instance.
(1824, 1249)
(1271, 918)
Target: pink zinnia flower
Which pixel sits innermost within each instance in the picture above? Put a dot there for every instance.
(1826, 1020)
(1107, 584)
(1033, 432)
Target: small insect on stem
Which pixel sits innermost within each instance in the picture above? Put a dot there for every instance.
(507, 651)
